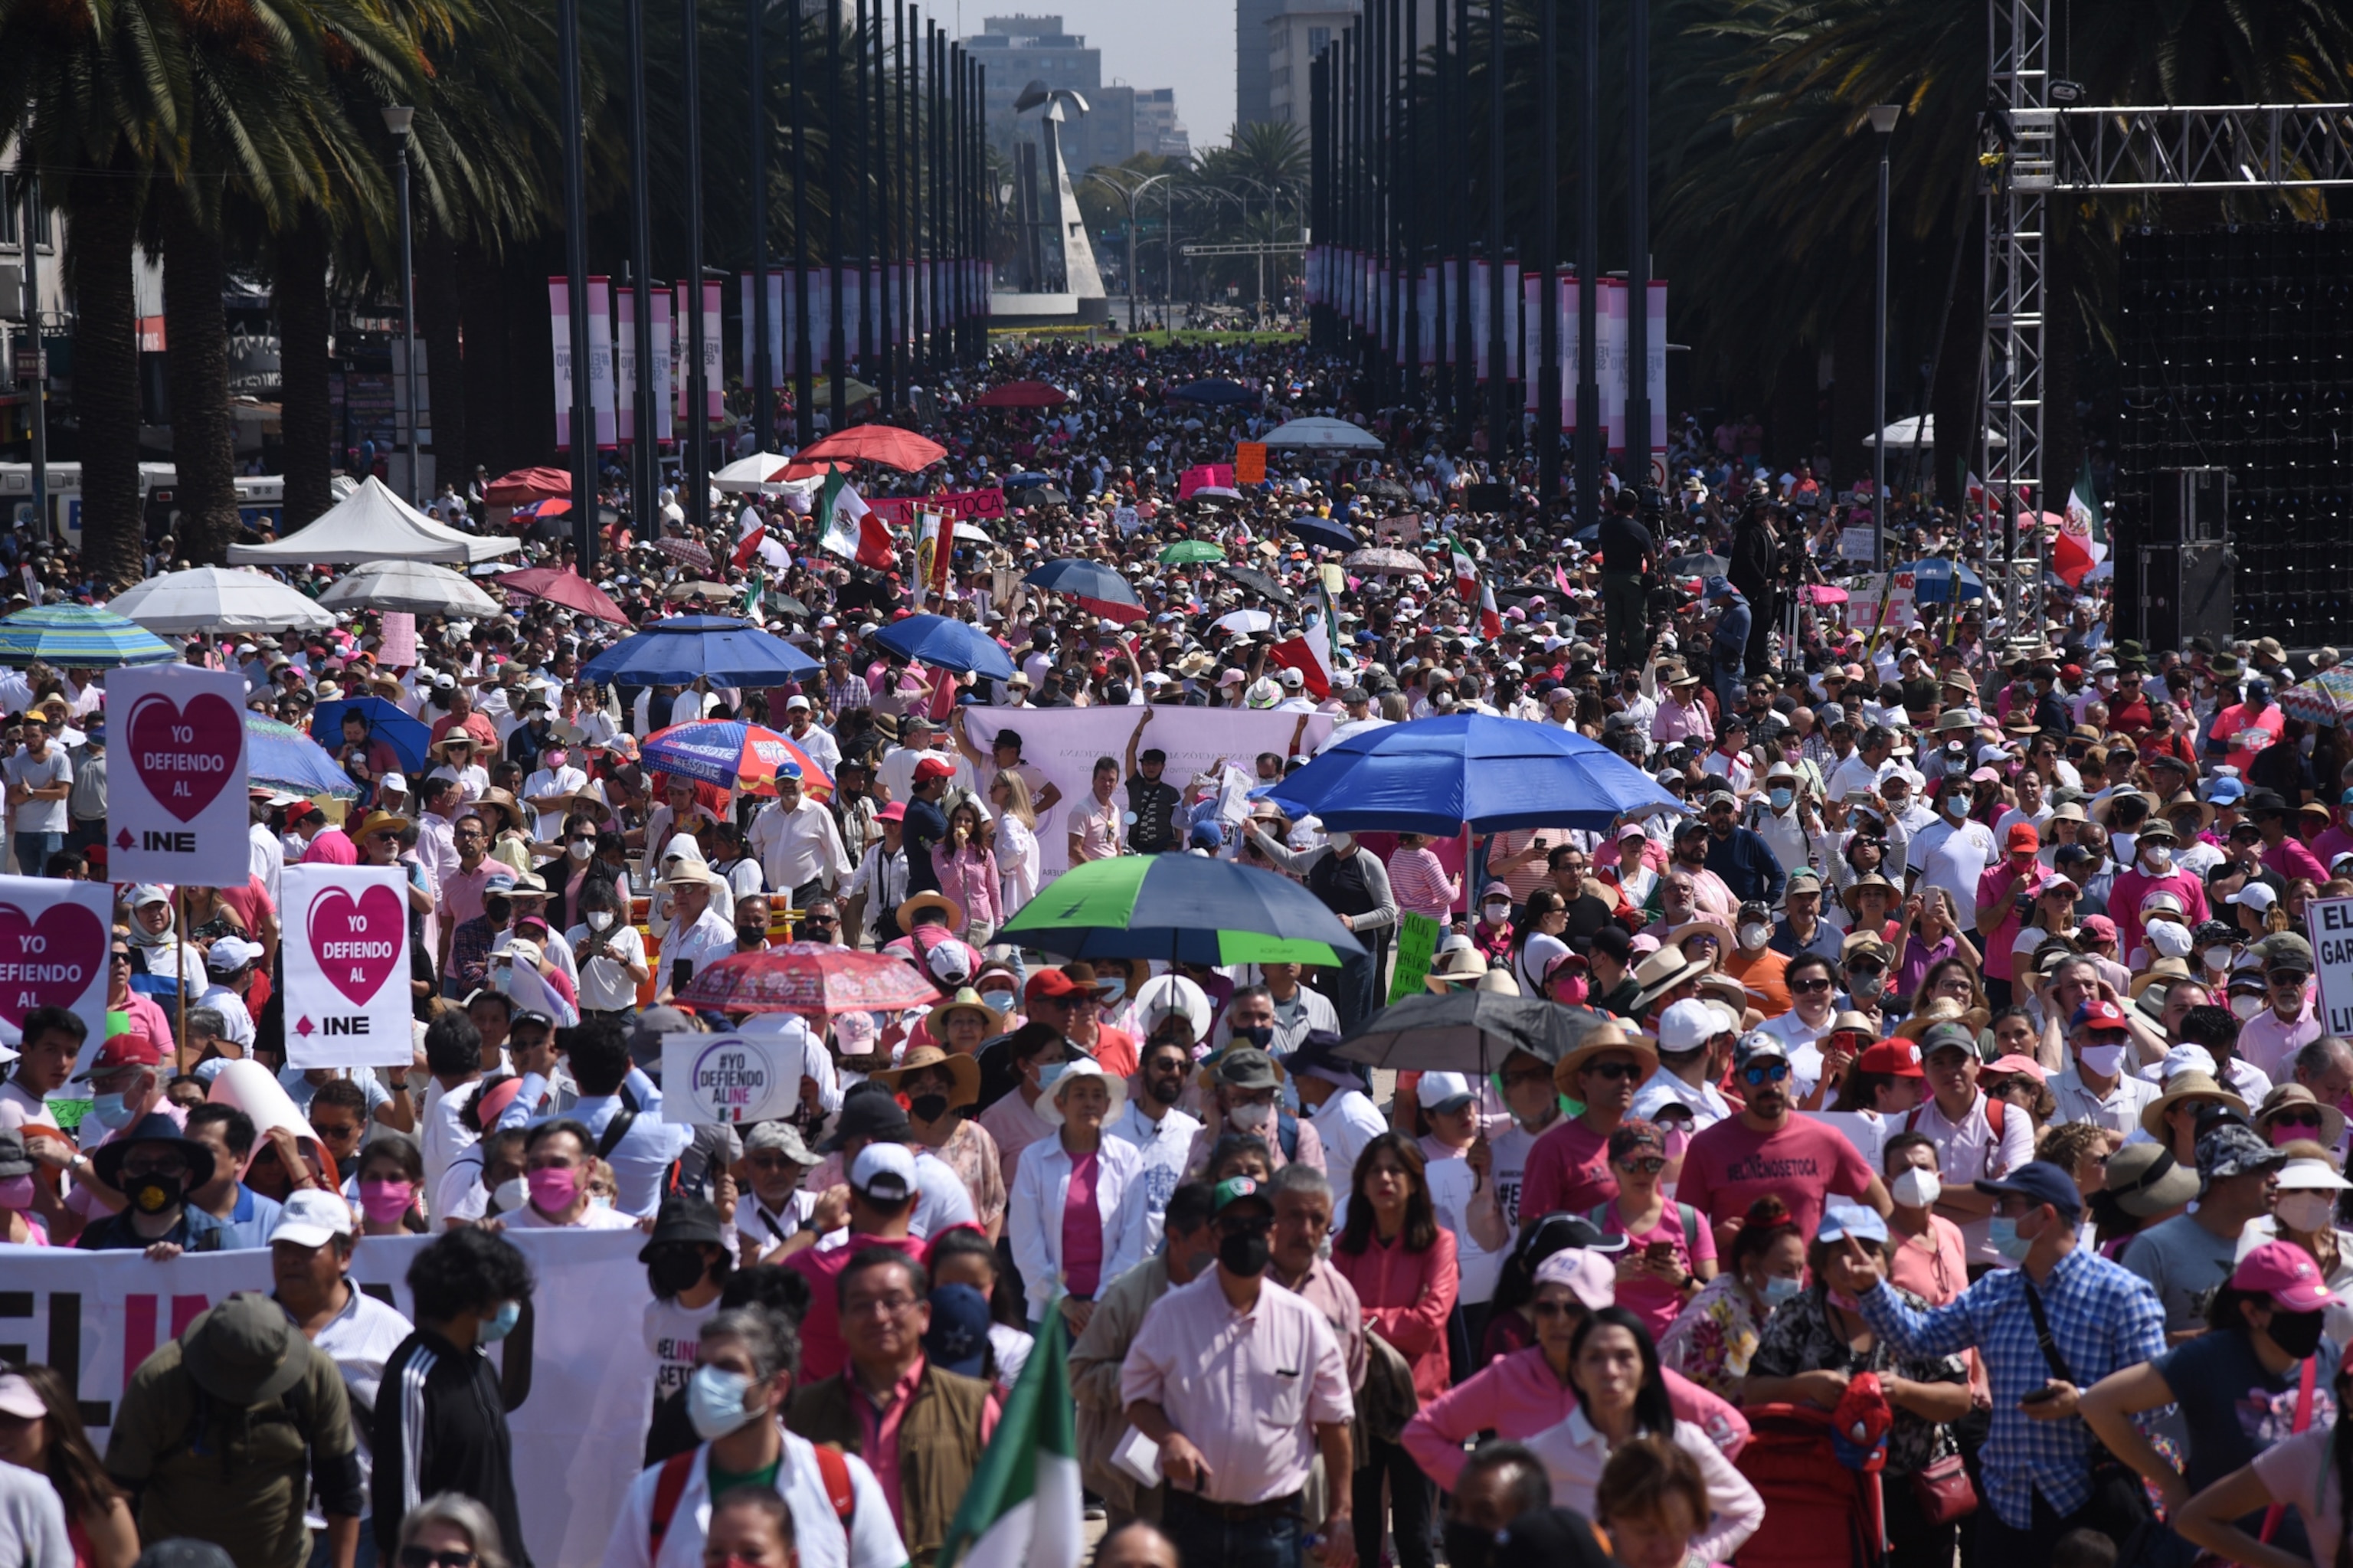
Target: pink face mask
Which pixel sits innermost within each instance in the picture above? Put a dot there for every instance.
(554, 757)
(16, 1191)
(553, 1191)
(1568, 990)
(1674, 1140)
(384, 1202)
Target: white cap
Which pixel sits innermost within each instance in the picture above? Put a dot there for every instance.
(231, 953)
(1436, 1090)
(2167, 938)
(396, 782)
(796, 701)
(2186, 1059)
(881, 1166)
(1690, 1024)
(311, 1216)
(2255, 895)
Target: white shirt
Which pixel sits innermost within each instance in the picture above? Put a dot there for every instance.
(1805, 1057)
(708, 941)
(1452, 1185)
(644, 1153)
(1573, 1453)
(2119, 1110)
(1953, 857)
(818, 745)
(267, 859)
(359, 1340)
(1663, 1087)
(1161, 1146)
(564, 781)
(872, 1541)
(1033, 1213)
(1345, 1122)
(799, 845)
(605, 985)
(1967, 1152)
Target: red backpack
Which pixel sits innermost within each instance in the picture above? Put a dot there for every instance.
(832, 1469)
(1994, 1107)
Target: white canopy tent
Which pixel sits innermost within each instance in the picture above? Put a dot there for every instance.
(372, 524)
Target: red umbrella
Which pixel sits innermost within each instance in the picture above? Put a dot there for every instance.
(1022, 394)
(570, 589)
(813, 470)
(810, 977)
(885, 444)
(527, 485)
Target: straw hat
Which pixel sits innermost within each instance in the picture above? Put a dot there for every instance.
(1726, 944)
(1050, 1104)
(1603, 1037)
(965, 1000)
(2295, 1095)
(1869, 879)
(1663, 970)
(951, 912)
(1456, 966)
(964, 1072)
(1943, 1010)
(2191, 1086)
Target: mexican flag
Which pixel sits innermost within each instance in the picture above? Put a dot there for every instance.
(851, 531)
(1491, 620)
(1023, 1508)
(2082, 542)
(1466, 571)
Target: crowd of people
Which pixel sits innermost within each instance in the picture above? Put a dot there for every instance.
(1939, 1150)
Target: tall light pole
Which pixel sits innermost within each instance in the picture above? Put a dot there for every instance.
(397, 118)
(1883, 119)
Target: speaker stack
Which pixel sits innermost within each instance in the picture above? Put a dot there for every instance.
(2233, 469)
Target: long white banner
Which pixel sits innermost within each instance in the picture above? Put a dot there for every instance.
(1063, 744)
(581, 1403)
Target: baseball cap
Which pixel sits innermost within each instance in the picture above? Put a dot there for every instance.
(1591, 1277)
(2233, 1148)
(2286, 1273)
(1896, 1058)
(2099, 1014)
(869, 1114)
(124, 1050)
(1048, 985)
(1443, 1092)
(230, 954)
(2022, 835)
(312, 1217)
(932, 767)
(884, 1170)
(1689, 1024)
(1237, 1190)
(2039, 1182)
(1757, 1046)
(1840, 1221)
(1947, 1036)
(780, 1136)
(20, 1399)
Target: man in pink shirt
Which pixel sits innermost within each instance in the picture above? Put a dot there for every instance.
(1765, 1152)
(881, 1210)
(1241, 1384)
(2153, 871)
(2269, 1041)
(2285, 854)
(1568, 1169)
(2003, 889)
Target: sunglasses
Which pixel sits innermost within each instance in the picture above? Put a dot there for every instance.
(1614, 1072)
(1867, 967)
(1649, 1165)
(1541, 1310)
(1765, 1072)
(422, 1557)
(2296, 1118)
(1809, 986)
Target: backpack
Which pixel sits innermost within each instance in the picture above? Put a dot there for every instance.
(1286, 1132)
(1598, 1217)
(832, 1469)
(1994, 1107)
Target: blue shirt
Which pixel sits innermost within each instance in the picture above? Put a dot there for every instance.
(2103, 1317)
(1748, 865)
(251, 1222)
(197, 1231)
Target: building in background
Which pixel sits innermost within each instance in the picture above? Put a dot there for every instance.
(1254, 103)
(1294, 33)
(1121, 120)
(1157, 129)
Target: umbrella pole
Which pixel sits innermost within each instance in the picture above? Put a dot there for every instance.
(180, 957)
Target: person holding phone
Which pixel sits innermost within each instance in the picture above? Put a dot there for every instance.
(698, 935)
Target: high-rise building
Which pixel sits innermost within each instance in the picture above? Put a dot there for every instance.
(1018, 51)
(1296, 31)
(1157, 129)
(1253, 85)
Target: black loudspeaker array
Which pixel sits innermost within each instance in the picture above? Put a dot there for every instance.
(2236, 353)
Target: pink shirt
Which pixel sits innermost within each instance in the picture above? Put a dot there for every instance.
(1407, 1298)
(1730, 1165)
(1082, 1229)
(822, 1352)
(1248, 1388)
(2297, 1471)
(2268, 1043)
(1518, 1396)
(1567, 1171)
(1995, 941)
(1015, 1126)
(1655, 1301)
(331, 846)
(1420, 883)
(879, 1429)
(2132, 886)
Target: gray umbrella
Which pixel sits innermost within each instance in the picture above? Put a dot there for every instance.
(1468, 1032)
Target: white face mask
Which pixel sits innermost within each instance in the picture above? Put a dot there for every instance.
(511, 1194)
(1755, 936)
(598, 919)
(1496, 913)
(715, 1403)
(2246, 1007)
(578, 851)
(2216, 959)
(1917, 1188)
(2158, 858)
(1250, 1119)
(2103, 1060)
(2303, 1211)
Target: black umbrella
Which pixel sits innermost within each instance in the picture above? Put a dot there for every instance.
(1259, 583)
(785, 604)
(1699, 566)
(1388, 488)
(1046, 495)
(1467, 1031)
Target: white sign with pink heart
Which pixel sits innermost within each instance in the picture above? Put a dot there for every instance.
(53, 953)
(346, 966)
(175, 795)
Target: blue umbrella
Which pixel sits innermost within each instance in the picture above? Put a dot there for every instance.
(408, 736)
(1085, 579)
(1215, 391)
(1435, 775)
(1321, 531)
(950, 644)
(283, 758)
(677, 651)
(1934, 580)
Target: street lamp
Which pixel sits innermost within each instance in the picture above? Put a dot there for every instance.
(1883, 119)
(1129, 195)
(397, 118)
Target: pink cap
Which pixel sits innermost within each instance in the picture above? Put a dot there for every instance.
(1590, 1276)
(2004, 1067)
(2286, 1273)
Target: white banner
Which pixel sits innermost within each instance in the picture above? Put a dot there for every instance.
(600, 359)
(1655, 357)
(1531, 335)
(2329, 926)
(175, 805)
(1512, 321)
(53, 945)
(1610, 363)
(625, 364)
(665, 413)
(1063, 744)
(559, 316)
(346, 966)
(578, 1401)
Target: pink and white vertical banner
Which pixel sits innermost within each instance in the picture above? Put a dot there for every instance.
(1482, 340)
(600, 359)
(625, 364)
(664, 411)
(1655, 370)
(1569, 326)
(559, 316)
(1610, 362)
(1531, 334)
(1512, 321)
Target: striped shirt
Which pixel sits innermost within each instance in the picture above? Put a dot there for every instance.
(1419, 880)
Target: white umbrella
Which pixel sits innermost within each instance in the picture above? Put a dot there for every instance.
(1327, 435)
(1243, 622)
(757, 472)
(417, 586)
(219, 598)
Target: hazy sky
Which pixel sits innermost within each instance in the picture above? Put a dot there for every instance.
(1187, 45)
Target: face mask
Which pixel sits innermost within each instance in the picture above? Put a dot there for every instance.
(509, 1195)
(2216, 959)
(1956, 806)
(1258, 1035)
(2297, 1333)
(384, 1202)
(1250, 1119)
(2245, 1007)
(1467, 1545)
(1570, 991)
(2103, 1060)
(2307, 1213)
(1343, 843)
(1245, 1254)
(2158, 858)
(1755, 936)
(751, 939)
(600, 919)
(1917, 1189)
(1780, 1289)
(1675, 1139)
(928, 1108)
(552, 1191)
(997, 1001)
(498, 1324)
(16, 1191)
(578, 850)
(1867, 987)
(554, 757)
(113, 1111)
(1780, 798)
(153, 1194)
(2003, 1233)
(1496, 913)
(673, 1271)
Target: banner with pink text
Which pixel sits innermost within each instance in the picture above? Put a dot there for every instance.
(175, 799)
(345, 962)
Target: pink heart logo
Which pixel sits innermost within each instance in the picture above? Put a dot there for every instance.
(49, 963)
(185, 755)
(358, 942)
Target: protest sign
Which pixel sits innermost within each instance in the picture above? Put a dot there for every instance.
(1250, 462)
(750, 1075)
(175, 807)
(1896, 588)
(577, 1376)
(54, 938)
(958, 505)
(2329, 926)
(346, 966)
(398, 650)
(1416, 945)
(1858, 544)
(1062, 744)
(1397, 531)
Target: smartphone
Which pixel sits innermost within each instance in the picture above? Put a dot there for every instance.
(1659, 1251)
(2042, 1395)
(681, 972)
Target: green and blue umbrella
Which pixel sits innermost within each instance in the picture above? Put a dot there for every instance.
(282, 757)
(80, 637)
(1184, 908)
